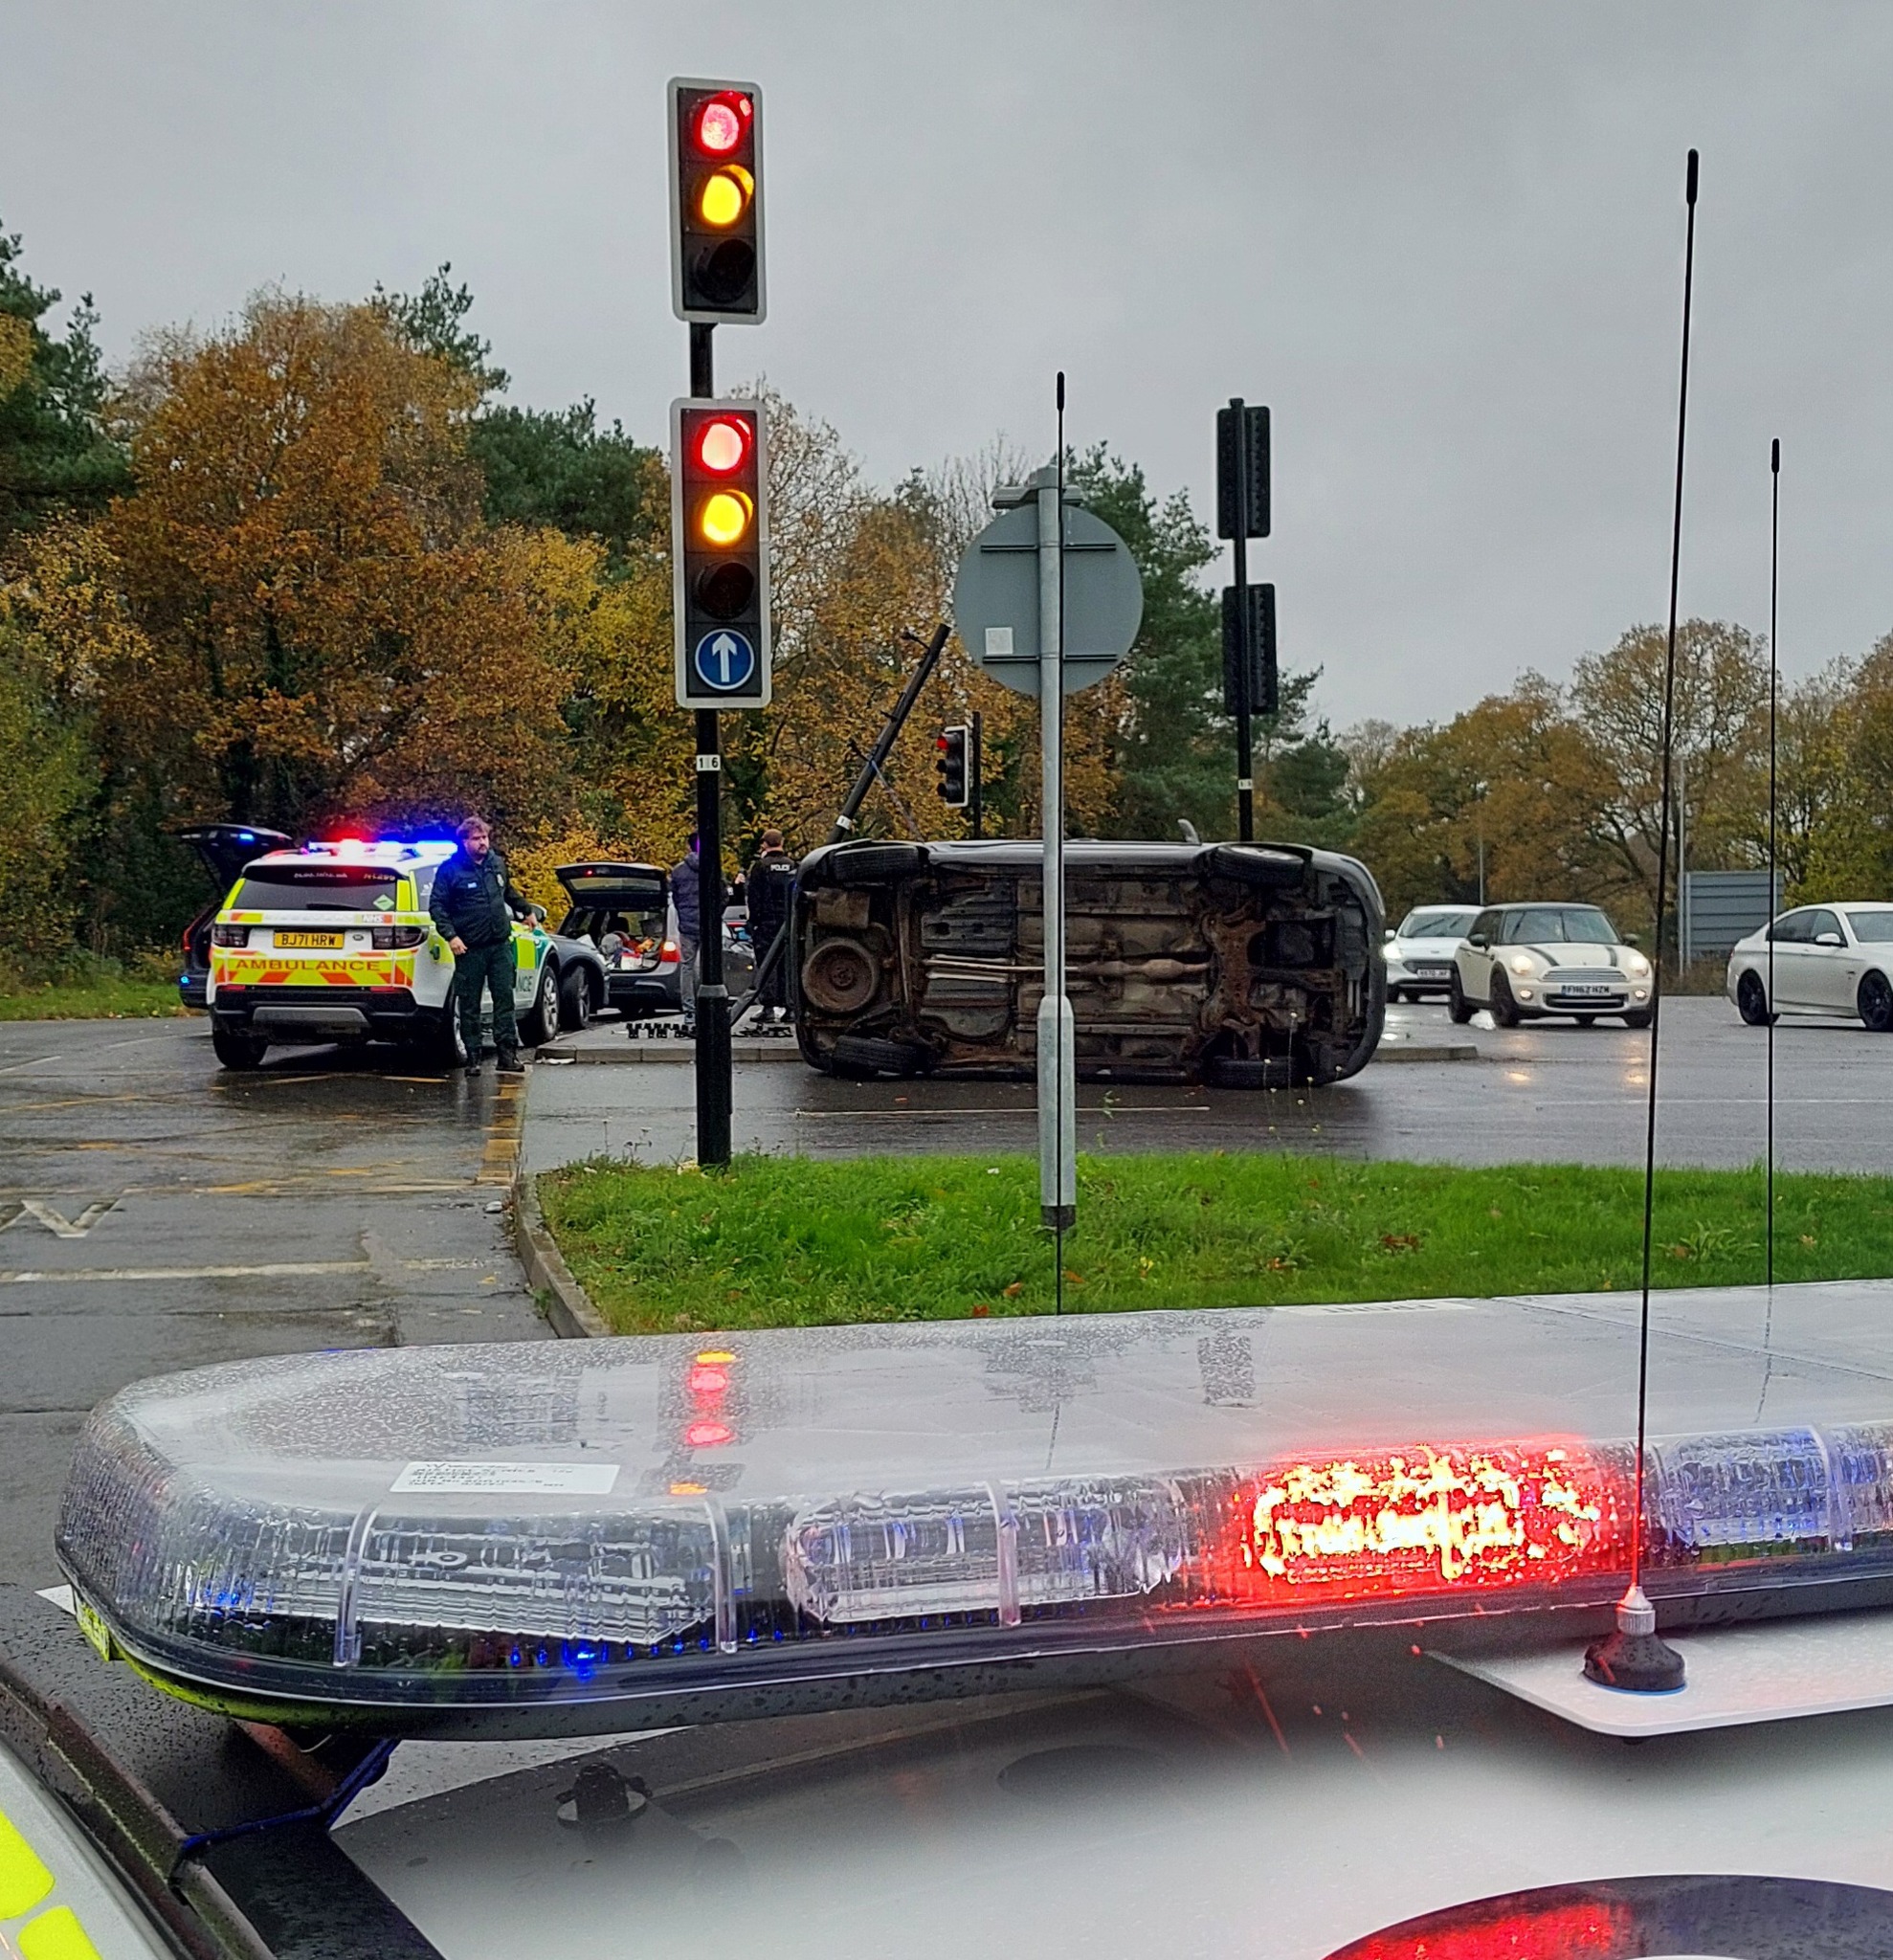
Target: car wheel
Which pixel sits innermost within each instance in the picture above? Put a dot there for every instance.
(441, 1047)
(861, 1056)
(1586, 1020)
(1249, 1072)
(542, 1023)
(575, 1001)
(1638, 1017)
(236, 1049)
(1751, 1000)
(1504, 1008)
(1395, 995)
(1876, 1002)
(1456, 1003)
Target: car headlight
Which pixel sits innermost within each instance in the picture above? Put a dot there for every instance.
(1523, 963)
(1637, 963)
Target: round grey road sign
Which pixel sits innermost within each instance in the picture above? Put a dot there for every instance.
(995, 599)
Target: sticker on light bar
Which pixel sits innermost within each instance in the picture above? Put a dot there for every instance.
(612, 1522)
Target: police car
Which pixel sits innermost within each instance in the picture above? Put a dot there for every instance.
(333, 943)
(1257, 1633)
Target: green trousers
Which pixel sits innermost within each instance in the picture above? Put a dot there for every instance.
(493, 967)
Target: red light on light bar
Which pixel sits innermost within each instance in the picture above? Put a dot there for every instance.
(1421, 1519)
(1589, 1931)
(722, 123)
(707, 1435)
(706, 1382)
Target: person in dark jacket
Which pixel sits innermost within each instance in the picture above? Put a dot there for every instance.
(687, 881)
(473, 907)
(770, 886)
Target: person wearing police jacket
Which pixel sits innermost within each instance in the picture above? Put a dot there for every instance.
(473, 907)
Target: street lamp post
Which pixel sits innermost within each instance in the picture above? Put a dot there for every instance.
(1478, 806)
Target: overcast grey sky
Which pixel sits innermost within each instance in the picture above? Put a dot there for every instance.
(1443, 242)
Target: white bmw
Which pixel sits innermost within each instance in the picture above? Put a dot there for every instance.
(1523, 962)
(1828, 960)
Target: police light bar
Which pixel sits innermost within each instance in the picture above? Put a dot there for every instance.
(593, 1535)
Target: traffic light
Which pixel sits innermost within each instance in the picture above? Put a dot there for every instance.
(719, 553)
(717, 201)
(1242, 472)
(1263, 695)
(950, 759)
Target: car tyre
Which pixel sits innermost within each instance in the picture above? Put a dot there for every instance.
(1251, 1071)
(1751, 1000)
(1638, 1017)
(575, 1001)
(441, 1047)
(1504, 1008)
(542, 1020)
(1457, 1006)
(864, 1056)
(1585, 1020)
(1875, 1000)
(236, 1049)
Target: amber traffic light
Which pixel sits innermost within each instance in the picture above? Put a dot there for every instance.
(719, 553)
(716, 201)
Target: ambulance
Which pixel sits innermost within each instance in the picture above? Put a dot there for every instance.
(333, 942)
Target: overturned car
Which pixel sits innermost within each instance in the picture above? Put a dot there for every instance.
(1246, 966)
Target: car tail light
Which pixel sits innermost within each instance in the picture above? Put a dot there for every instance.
(671, 955)
(388, 937)
(229, 935)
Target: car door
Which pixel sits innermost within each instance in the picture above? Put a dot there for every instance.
(1833, 964)
(1791, 942)
(1474, 961)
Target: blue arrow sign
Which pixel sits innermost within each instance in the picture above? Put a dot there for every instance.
(724, 659)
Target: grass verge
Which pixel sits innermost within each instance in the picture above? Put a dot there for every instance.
(91, 1001)
(792, 1241)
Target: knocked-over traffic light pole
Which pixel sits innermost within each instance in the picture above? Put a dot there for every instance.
(718, 508)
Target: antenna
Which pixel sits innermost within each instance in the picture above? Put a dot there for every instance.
(1634, 1657)
(1774, 875)
(1058, 707)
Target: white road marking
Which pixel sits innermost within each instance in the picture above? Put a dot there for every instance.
(55, 1222)
(284, 1269)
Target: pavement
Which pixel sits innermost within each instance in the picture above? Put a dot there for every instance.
(1549, 1093)
(158, 1213)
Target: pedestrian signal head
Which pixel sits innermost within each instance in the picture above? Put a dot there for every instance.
(716, 202)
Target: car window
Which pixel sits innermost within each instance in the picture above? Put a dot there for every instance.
(317, 888)
(1822, 922)
(1436, 924)
(1871, 929)
(1487, 922)
(1559, 924)
(1793, 929)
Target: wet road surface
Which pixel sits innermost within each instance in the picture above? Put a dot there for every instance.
(156, 1212)
(1555, 1093)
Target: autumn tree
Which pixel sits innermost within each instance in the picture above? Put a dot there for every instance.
(331, 627)
(1718, 723)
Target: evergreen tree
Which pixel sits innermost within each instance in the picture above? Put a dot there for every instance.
(54, 448)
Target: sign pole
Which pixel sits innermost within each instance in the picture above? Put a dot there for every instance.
(713, 1060)
(1058, 1032)
(1245, 765)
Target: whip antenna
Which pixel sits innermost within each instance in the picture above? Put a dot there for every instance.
(1774, 874)
(1056, 707)
(1634, 1657)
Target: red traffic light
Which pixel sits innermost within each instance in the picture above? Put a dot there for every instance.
(723, 445)
(722, 123)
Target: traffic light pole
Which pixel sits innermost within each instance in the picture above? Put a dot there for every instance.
(713, 1063)
(1245, 764)
(976, 767)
